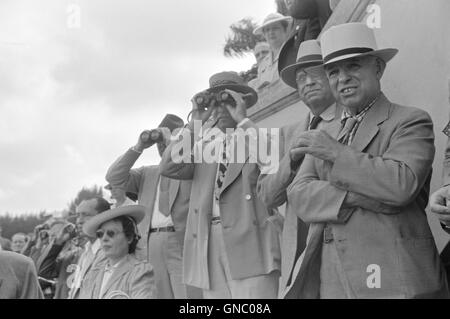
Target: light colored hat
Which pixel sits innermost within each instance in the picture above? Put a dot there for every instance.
(309, 54)
(137, 212)
(270, 19)
(350, 40)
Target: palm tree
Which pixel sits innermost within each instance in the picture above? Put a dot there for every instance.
(242, 39)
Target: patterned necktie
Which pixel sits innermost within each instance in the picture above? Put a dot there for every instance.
(347, 130)
(163, 203)
(222, 170)
(315, 121)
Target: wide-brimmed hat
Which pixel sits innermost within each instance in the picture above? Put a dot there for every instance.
(137, 212)
(309, 54)
(351, 40)
(232, 81)
(270, 19)
(172, 122)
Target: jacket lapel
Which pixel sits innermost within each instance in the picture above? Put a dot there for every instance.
(123, 268)
(235, 168)
(100, 269)
(369, 126)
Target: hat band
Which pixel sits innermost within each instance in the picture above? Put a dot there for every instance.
(310, 58)
(345, 52)
(224, 82)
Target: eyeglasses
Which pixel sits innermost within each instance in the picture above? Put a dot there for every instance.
(110, 233)
(313, 71)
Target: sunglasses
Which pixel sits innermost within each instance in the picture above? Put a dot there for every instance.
(110, 233)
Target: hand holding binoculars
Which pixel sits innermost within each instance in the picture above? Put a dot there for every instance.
(152, 136)
(204, 99)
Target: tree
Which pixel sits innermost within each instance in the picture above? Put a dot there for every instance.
(83, 194)
(242, 39)
(22, 223)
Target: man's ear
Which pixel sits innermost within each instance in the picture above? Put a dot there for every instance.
(380, 66)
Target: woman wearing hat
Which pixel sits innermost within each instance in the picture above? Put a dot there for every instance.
(122, 275)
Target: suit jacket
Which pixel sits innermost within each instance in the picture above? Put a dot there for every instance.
(98, 258)
(18, 278)
(447, 163)
(390, 161)
(251, 240)
(132, 279)
(272, 191)
(144, 182)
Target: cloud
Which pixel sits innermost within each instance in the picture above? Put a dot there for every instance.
(73, 100)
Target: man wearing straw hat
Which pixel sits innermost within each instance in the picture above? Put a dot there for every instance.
(231, 247)
(378, 149)
(275, 29)
(167, 202)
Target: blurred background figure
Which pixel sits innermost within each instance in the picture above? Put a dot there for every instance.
(275, 29)
(5, 244)
(18, 277)
(120, 197)
(261, 50)
(18, 242)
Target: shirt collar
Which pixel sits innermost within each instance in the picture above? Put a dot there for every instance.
(327, 115)
(110, 267)
(360, 115)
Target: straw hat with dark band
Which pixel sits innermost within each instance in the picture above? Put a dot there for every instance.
(351, 40)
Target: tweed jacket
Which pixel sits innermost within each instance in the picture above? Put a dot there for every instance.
(132, 279)
(389, 161)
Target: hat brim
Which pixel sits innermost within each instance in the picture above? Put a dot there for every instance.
(259, 30)
(288, 74)
(385, 54)
(244, 89)
(137, 212)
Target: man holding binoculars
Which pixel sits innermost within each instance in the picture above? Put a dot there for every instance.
(167, 202)
(231, 248)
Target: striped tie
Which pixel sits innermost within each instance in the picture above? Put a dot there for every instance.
(222, 170)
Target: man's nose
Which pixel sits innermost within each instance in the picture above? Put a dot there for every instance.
(343, 75)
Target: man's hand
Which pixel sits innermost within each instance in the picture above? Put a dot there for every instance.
(144, 141)
(200, 113)
(438, 204)
(317, 143)
(238, 112)
(64, 234)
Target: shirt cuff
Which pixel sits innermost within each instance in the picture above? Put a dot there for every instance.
(243, 122)
(135, 150)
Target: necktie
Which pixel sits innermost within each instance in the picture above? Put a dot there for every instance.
(315, 121)
(347, 130)
(164, 196)
(222, 170)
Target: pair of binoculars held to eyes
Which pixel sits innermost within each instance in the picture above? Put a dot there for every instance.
(152, 136)
(204, 99)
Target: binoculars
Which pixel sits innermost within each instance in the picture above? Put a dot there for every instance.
(154, 136)
(204, 99)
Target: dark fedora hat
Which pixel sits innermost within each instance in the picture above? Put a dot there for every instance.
(232, 81)
(172, 122)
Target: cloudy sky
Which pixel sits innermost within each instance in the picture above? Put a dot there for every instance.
(80, 79)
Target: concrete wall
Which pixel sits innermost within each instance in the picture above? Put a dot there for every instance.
(420, 73)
